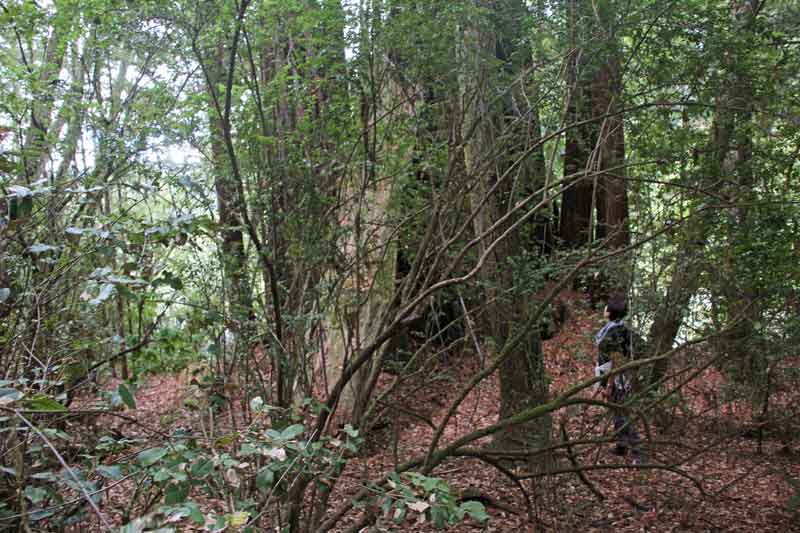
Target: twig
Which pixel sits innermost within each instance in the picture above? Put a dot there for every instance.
(84, 412)
(68, 469)
(76, 500)
(473, 494)
(512, 477)
(669, 468)
(574, 462)
(409, 412)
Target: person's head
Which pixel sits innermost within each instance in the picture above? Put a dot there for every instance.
(616, 307)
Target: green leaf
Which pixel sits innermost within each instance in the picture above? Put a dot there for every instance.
(76, 480)
(71, 230)
(292, 431)
(8, 396)
(162, 475)
(386, 506)
(428, 484)
(103, 295)
(137, 526)
(152, 456)
(213, 316)
(475, 509)
(111, 472)
(56, 434)
(248, 449)
(225, 440)
(265, 479)
(37, 515)
(438, 517)
(40, 402)
(45, 476)
(40, 248)
(19, 191)
(202, 468)
(125, 393)
(220, 524)
(35, 494)
(793, 503)
(176, 493)
(195, 515)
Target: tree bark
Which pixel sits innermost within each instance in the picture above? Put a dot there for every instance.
(737, 301)
(522, 377)
(369, 291)
(729, 153)
(230, 205)
(595, 143)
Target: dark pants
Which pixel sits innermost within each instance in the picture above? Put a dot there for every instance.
(625, 433)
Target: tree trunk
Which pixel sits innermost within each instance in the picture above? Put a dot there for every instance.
(235, 280)
(522, 379)
(36, 151)
(369, 290)
(729, 153)
(577, 200)
(671, 311)
(612, 192)
(595, 143)
(733, 147)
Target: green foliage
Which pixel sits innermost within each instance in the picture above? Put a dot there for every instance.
(116, 247)
(422, 498)
(170, 350)
(238, 468)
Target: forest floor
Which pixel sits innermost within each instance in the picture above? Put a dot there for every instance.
(709, 467)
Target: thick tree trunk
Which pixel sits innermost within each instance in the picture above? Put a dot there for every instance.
(367, 295)
(612, 192)
(522, 378)
(737, 301)
(36, 149)
(595, 145)
(361, 310)
(294, 77)
(577, 200)
(671, 311)
(233, 255)
(729, 155)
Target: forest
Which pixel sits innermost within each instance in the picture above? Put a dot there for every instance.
(351, 265)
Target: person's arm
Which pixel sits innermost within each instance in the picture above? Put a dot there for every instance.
(603, 366)
(611, 349)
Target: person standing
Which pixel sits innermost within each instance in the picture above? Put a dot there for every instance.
(614, 350)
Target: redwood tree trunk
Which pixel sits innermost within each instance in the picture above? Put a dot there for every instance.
(595, 143)
(522, 378)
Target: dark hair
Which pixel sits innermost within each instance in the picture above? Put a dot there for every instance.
(617, 307)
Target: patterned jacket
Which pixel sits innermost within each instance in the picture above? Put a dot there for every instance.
(614, 349)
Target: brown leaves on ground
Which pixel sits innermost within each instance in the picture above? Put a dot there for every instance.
(705, 470)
